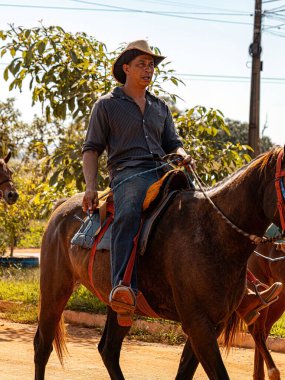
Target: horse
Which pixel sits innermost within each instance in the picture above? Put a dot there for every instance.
(7, 188)
(267, 271)
(193, 270)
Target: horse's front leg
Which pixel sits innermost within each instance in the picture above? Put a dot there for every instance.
(111, 343)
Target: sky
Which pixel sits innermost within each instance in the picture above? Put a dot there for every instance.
(206, 41)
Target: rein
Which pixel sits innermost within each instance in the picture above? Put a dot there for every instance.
(5, 181)
(280, 190)
(138, 174)
(269, 258)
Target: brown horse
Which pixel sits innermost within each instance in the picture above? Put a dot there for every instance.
(267, 271)
(7, 188)
(194, 269)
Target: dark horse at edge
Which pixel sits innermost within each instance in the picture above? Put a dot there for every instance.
(7, 189)
(194, 269)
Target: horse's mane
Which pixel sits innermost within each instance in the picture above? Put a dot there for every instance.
(261, 161)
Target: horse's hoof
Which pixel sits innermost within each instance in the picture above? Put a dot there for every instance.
(274, 374)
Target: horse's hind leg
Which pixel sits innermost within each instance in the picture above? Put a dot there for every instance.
(203, 337)
(188, 363)
(262, 354)
(110, 345)
(56, 289)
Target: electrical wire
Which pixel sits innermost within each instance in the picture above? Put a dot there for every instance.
(120, 9)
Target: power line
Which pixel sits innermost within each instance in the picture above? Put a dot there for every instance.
(269, 1)
(228, 76)
(128, 10)
(172, 3)
(211, 76)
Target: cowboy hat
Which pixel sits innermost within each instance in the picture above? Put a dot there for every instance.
(132, 50)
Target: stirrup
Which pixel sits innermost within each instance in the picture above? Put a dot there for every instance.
(123, 302)
(264, 303)
(122, 305)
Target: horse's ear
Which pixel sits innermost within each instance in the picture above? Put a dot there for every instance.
(7, 158)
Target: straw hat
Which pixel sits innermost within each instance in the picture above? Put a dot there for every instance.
(133, 49)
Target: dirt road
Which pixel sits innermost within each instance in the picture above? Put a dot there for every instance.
(140, 361)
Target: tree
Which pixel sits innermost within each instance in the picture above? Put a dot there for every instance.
(12, 129)
(239, 134)
(201, 130)
(14, 220)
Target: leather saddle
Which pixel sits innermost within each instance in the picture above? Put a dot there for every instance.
(157, 199)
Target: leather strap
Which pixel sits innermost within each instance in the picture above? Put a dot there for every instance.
(130, 267)
(103, 213)
(279, 175)
(93, 253)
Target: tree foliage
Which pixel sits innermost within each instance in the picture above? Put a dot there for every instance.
(239, 134)
(67, 72)
(200, 130)
(14, 220)
(12, 130)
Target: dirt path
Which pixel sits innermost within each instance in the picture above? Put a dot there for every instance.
(140, 361)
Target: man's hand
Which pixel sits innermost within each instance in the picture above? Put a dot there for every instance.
(186, 161)
(90, 201)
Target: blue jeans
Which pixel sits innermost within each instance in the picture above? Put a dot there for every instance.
(128, 200)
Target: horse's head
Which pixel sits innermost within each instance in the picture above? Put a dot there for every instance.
(7, 188)
(274, 195)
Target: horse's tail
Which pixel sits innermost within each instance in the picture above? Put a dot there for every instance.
(232, 328)
(59, 341)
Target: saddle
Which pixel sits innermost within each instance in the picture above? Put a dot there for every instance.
(96, 228)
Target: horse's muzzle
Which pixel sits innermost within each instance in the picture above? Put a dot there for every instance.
(11, 197)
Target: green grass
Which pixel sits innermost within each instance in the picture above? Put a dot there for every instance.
(278, 329)
(171, 336)
(22, 286)
(83, 300)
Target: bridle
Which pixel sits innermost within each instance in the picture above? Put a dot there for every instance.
(280, 192)
(280, 189)
(2, 183)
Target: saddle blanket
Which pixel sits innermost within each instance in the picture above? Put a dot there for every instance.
(86, 235)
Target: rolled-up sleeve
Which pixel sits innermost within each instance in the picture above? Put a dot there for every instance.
(170, 137)
(98, 129)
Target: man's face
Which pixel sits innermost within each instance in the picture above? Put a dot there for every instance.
(140, 70)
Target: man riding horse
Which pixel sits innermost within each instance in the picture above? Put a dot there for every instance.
(136, 127)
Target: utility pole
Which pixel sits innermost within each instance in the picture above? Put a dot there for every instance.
(255, 52)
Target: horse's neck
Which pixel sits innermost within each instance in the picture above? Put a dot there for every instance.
(240, 198)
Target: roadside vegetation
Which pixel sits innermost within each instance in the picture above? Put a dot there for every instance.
(19, 295)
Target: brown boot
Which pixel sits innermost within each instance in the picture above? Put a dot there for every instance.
(252, 303)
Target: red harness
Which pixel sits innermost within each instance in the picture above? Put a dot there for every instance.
(279, 175)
